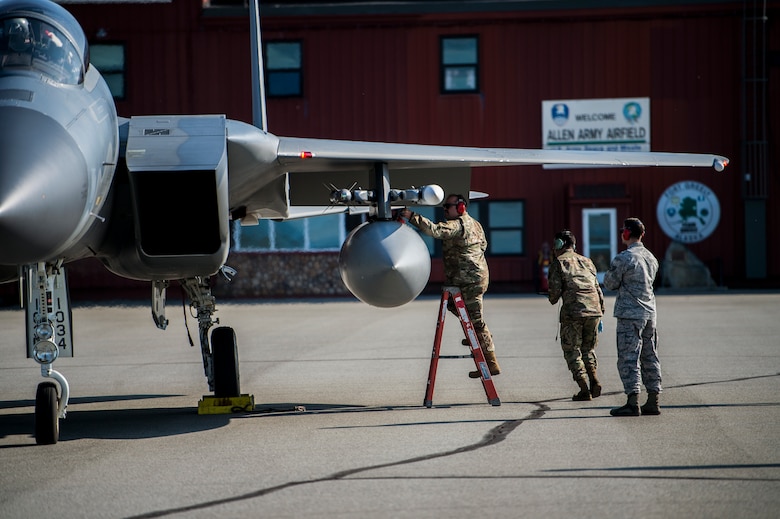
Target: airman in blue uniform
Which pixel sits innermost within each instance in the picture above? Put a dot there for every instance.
(632, 273)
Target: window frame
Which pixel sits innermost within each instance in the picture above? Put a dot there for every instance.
(269, 72)
(446, 66)
(587, 237)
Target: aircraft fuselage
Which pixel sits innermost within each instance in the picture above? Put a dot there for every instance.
(59, 138)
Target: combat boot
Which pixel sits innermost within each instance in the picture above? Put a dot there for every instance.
(595, 385)
(584, 393)
(651, 406)
(490, 358)
(630, 409)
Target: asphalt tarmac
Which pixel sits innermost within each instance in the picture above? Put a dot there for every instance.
(339, 429)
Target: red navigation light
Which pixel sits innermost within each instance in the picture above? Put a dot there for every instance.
(306, 155)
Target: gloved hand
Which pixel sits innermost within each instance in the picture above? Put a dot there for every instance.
(601, 326)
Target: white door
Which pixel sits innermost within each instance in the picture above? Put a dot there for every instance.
(599, 237)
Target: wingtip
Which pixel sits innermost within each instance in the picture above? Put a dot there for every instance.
(720, 163)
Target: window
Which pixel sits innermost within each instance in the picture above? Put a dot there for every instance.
(459, 64)
(503, 222)
(319, 233)
(109, 59)
(283, 69)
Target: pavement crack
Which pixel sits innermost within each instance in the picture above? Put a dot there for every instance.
(494, 436)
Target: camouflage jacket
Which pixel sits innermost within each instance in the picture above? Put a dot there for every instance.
(572, 277)
(632, 273)
(463, 248)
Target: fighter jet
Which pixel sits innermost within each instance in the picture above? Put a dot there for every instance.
(78, 181)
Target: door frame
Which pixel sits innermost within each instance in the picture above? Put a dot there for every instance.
(612, 213)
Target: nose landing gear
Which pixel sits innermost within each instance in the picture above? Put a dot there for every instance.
(47, 310)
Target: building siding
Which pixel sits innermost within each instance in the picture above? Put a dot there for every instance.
(376, 77)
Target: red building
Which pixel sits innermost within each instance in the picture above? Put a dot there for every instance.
(709, 71)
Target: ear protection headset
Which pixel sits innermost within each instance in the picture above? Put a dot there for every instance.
(563, 239)
(632, 228)
(461, 207)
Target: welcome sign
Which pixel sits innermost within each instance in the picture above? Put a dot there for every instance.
(621, 124)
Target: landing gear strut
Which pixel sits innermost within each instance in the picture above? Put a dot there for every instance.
(220, 355)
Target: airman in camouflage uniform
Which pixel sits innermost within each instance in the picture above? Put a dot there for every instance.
(463, 251)
(572, 279)
(632, 273)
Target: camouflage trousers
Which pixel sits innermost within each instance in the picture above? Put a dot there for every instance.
(579, 338)
(637, 351)
(472, 298)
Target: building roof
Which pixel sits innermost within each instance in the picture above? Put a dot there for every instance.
(385, 7)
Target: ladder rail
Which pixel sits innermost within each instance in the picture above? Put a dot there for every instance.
(428, 401)
(476, 351)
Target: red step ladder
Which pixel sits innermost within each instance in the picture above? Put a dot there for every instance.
(471, 335)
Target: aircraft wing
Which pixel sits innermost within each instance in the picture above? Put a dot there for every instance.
(327, 155)
(270, 176)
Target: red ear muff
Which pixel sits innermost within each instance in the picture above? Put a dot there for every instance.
(626, 234)
(461, 207)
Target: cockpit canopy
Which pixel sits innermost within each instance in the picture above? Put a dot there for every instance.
(34, 38)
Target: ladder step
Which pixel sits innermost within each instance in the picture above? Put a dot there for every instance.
(455, 356)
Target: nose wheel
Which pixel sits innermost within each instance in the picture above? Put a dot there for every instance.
(47, 422)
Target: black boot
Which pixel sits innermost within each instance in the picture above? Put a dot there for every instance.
(651, 406)
(584, 393)
(630, 409)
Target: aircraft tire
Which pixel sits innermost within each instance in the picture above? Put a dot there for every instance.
(47, 424)
(225, 356)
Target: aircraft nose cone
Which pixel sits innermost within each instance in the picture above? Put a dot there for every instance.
(43, 186)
